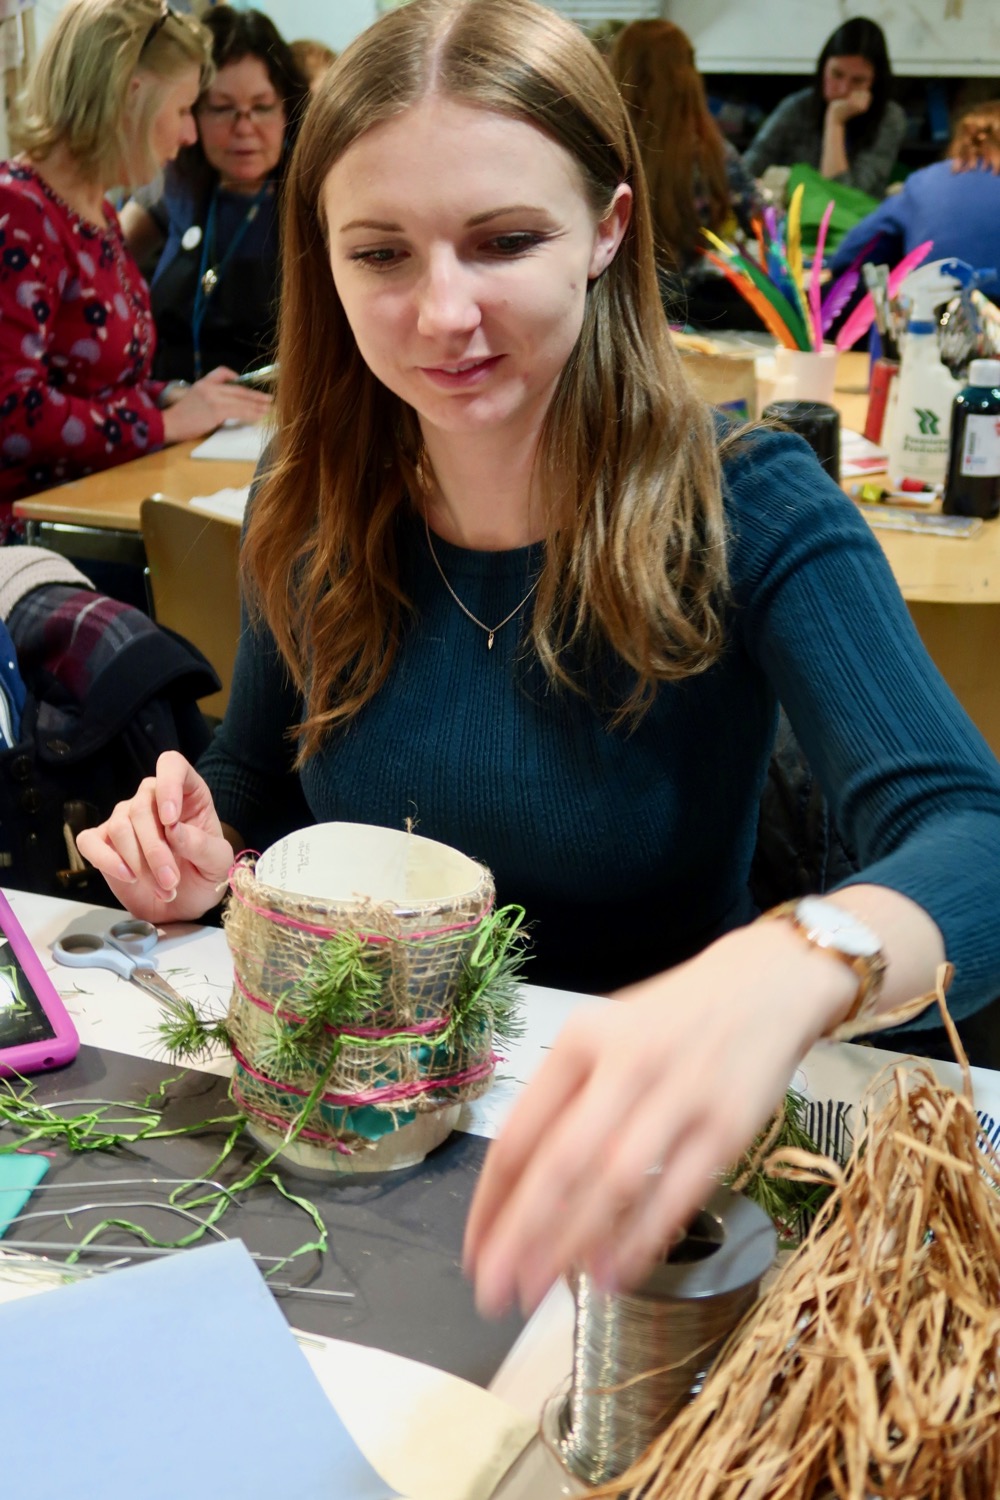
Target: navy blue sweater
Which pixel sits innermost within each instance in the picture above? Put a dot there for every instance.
(630, 849)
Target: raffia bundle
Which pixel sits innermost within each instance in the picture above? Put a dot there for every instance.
(870, 1368)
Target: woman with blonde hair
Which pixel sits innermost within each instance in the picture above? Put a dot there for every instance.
(506, 577)
(108, 104)
(955, 203)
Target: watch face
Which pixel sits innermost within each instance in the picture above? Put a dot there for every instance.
(836, 927)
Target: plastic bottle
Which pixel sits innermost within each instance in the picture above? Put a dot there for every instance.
(973, 484)
(920, 421)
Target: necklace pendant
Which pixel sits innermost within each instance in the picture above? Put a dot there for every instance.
(210, 281)
(489, 640)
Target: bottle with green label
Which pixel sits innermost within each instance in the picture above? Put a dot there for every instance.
(972, 487)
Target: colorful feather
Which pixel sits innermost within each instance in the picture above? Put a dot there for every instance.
(861, 319)
(817, 267)
(770, 319)
(841, 290)
(793, 237)
(766, 287)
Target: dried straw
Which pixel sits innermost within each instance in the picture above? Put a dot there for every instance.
(870, 1368)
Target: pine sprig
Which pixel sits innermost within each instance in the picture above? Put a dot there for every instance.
(790, 1206)
(188, 1035)
(342, 983)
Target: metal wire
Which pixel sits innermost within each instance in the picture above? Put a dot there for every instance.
(638, 1357)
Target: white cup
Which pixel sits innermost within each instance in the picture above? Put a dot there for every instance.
(805, 374)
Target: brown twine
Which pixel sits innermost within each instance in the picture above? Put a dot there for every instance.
(268, 934)
(870, 1367)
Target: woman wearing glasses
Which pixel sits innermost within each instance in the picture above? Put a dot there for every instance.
(215, 284)
(109, 102)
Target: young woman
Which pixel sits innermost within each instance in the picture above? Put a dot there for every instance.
(214, 221)
(845, 124)
(505, 579)
(955, 203)
(696, 179)
(109, 103)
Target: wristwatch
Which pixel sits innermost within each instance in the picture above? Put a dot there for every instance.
(840, 933)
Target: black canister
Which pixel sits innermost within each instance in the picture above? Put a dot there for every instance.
(818, 423)
(973, 484)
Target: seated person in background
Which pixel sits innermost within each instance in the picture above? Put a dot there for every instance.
(506, 574)
(955, 203)
(109, 102)
(696, 179)
(215, 285)
(312, 60)
(845, 125)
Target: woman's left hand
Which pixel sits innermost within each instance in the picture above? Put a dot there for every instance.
(614, 1144)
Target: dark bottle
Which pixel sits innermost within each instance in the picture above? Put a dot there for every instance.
(973, 484)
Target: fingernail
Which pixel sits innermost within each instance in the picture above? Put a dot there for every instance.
(168, 895)
(168, 812)
(124, 873)
(167, 878)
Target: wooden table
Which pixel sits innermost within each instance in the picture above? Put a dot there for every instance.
(940, 578)
(98, 517)
(111, 498)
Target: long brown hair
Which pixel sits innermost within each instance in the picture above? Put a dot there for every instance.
(976, 141)
(679, 142)
(627, 459)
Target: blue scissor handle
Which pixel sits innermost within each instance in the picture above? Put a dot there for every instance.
(133, 937)
(88, 950)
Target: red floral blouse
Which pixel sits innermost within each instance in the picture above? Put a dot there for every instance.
(76, 343)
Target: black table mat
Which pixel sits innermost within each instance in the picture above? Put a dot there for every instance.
(395, 1237)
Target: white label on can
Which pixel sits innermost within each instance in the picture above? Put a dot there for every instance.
(981, 447)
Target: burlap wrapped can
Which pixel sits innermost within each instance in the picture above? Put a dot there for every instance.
(346, 1020)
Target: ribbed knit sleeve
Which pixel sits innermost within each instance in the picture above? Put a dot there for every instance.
(911, 781)
(249, 763)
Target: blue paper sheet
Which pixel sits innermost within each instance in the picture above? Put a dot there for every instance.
(20, 1171)
(176, 1380)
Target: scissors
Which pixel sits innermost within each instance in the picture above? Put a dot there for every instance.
(123, 950)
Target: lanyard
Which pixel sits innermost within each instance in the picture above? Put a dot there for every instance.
(210, 275)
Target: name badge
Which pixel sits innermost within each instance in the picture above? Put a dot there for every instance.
(191, 238)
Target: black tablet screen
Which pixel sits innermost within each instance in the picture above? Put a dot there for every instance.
(22, 1019)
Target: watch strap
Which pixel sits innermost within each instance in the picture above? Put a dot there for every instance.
(869, 970)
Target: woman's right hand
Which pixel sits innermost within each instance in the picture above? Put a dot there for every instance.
(211, 401)
(163, 852)
(859, 102)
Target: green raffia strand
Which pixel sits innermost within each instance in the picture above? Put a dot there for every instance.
(790, 1205)
(93, 1130)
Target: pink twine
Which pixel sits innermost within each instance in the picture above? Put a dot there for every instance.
(419, 1028)
(282, 1125)
(366, 937)
(389, 1095)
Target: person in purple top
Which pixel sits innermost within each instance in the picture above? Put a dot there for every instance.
(955, 203)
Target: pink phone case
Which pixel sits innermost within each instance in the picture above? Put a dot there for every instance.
(51, 1051)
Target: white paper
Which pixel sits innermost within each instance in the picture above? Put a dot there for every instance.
(352, 861)
(860, 456)
(110, 1012)
(229, 504)
(239, 440)
(446, 1439)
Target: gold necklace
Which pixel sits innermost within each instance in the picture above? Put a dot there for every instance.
(490, 630)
